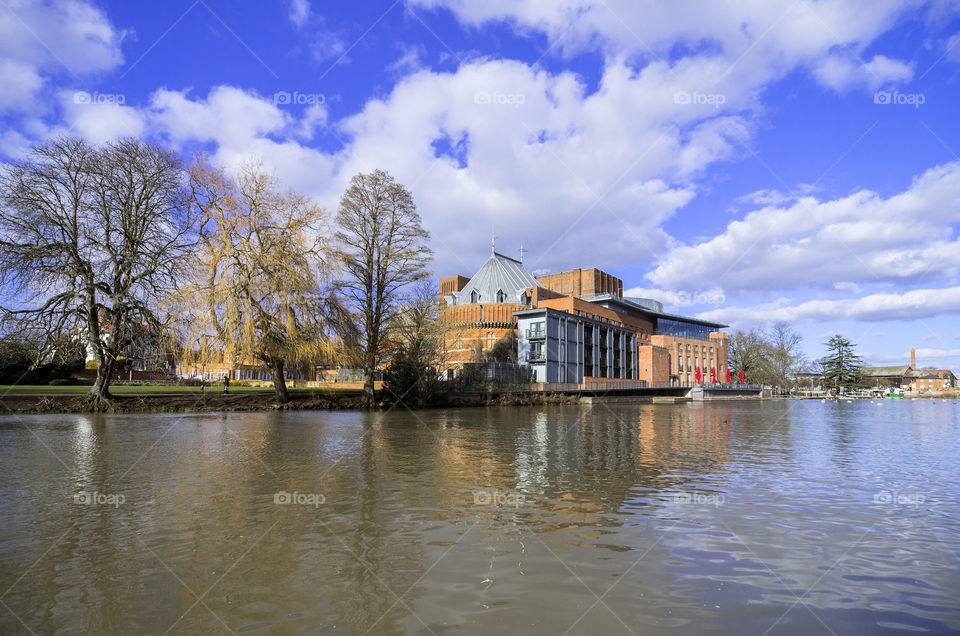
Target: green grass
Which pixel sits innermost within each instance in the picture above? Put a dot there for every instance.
(120, 389)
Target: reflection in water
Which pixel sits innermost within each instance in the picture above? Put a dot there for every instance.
(724, 517)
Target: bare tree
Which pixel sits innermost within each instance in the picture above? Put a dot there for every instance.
(382, 248)
(771, 356)
(745, 352)
(91, 238)
(259, 272)
(783, 359)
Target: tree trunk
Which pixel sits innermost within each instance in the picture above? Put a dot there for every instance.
(101, 386)
(369, 394)
(369, 391)
(279, 384)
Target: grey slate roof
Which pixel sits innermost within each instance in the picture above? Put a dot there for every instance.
(499, 273)
(880, 372)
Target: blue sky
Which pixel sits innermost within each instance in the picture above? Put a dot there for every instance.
(772, 160)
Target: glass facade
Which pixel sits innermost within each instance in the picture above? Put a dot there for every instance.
(682, 329)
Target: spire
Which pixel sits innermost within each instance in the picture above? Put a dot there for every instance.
(493, 241)
(522, 251)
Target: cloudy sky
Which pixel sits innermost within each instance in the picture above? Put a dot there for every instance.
(745, 161)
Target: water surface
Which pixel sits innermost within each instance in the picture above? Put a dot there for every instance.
(793, 517)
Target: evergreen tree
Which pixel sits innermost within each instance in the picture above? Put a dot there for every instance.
(841, 366)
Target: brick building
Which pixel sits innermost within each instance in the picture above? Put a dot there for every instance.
(575, 325)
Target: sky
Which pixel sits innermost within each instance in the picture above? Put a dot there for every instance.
(746, 162)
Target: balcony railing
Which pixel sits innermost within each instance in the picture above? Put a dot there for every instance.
(536, 357)
(536, 334)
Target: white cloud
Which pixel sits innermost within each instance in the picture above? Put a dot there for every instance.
(19, 83)
(861, 238)
(44, 39)
(230, 117)
(533, 154)
(952, 49)
(841, 72)
(299, 12)
(100, 117)
(756, 38)
(681, 301)
(912, 305)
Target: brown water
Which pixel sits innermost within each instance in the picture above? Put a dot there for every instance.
(747, 518)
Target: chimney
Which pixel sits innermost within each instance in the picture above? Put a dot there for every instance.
(913, 358)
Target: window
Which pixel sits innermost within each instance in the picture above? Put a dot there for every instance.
(501, 297)
(474, 296)
(491, 340)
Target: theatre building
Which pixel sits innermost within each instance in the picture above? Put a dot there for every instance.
(575, 327)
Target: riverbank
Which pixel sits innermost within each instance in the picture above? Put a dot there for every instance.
(36, 400)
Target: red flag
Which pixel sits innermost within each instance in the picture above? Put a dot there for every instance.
(741, 376)
(698, 374)
(728, 375)
(713, 375)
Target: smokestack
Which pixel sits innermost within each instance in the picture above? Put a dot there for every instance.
(913, 358)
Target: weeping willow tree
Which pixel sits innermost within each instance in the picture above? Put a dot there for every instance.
(257, 295)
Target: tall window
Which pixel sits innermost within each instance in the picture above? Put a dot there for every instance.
(491, 340)
(474, 296)
(501, 297)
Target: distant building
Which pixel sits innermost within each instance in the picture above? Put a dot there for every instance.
(910, 377)
(933, 380)
(895, 376)
(574, 327)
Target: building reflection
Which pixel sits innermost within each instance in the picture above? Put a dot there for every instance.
(400, 493)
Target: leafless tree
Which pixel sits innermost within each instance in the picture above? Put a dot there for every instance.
(259, 270)
(91, 239)
(770, 356)
(382, 247)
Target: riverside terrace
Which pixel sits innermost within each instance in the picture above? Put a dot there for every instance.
(577, 327)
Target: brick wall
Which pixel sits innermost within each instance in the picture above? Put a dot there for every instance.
(582, 282)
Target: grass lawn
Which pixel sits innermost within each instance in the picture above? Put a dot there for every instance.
(120, 389)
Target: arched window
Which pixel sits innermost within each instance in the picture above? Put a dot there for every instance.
(491, 340)
(501, 297)
(474, 296)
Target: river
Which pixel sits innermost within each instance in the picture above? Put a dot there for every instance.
(746, 517)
